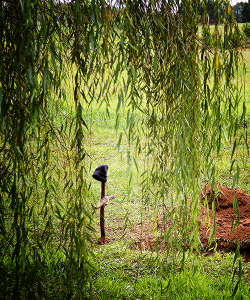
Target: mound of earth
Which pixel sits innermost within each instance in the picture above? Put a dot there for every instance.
(225, 217)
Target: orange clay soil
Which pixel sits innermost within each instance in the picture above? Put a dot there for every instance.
(223, 203)
(142, 237)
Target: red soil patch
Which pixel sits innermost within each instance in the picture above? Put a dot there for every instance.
(141, 236)
(223, 202)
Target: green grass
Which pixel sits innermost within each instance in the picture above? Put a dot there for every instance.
(146, 275)
(119, 271)
(64, 228)
(122, 273)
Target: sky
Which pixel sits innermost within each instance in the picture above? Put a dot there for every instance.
(233, 2)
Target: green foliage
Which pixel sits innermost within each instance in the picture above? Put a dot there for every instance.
(246, 11)
(238, 11)
(37, 154)
(246, 30)
(242, 12)
(144, 59)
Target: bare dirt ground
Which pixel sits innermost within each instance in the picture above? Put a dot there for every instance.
(142, 236)
(225, 217)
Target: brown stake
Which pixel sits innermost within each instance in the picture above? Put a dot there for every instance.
(102, 221)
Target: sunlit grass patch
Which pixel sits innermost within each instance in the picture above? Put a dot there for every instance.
(145, 275)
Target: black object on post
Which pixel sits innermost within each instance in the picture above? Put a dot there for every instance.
(100, 174)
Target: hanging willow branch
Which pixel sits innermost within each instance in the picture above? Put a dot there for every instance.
(148, 56)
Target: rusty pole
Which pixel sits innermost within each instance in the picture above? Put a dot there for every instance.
(102, 221)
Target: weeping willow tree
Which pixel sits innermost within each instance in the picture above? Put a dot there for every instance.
(147, 55)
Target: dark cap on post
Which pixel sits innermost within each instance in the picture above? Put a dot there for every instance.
(100, 173)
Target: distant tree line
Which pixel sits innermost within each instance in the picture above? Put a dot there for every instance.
(242, 12)
(211, 10)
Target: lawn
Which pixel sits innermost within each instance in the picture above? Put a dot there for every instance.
(129, 266)
(147, 254)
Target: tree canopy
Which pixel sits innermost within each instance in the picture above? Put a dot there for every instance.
(186, 90)
(242, 12)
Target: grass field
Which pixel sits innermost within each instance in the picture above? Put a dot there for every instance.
(127, 268)
(130, 265)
